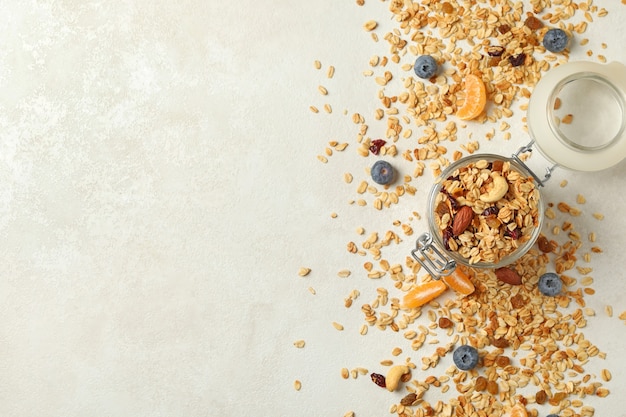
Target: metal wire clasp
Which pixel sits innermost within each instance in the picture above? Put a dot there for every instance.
(529, 148)
(434, 261)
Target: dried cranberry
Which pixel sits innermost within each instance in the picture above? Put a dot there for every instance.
(490, 210)
(376, 145)
(504, 29)
(495, 50)
(513, 234)
(447, 235)
(517, 60)
(378, 379)
(453, 203)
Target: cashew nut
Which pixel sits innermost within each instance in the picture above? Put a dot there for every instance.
(392, 380)
(499, 188)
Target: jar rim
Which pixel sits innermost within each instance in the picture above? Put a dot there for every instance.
(436, 234)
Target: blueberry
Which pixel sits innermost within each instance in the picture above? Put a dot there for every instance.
(552, 415)
(550, 284)
(382, 172)
(465, 357)
(555, 40)
(425, 66)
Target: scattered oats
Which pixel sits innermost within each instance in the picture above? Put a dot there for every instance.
(333, 215)
(396, 351)
(322, 90)
(350, 413)
(567, 119)
(580, 199)
(322, 159)
(386, 362)
(347, 177)
(314, 109)
(363, 330)
(584, 42)
(299, 344)
(345, 374)
(303, 272)
(608, 310)
(297, 385)
(328, 108)
(622, 315)
(330, 72)
(337, 326)
(360, 230)
(563, 183)
(317, 64)
(341, 146)
(602, 58)
(598, 216)
(344, 273)
(312, 290)
(370, 25)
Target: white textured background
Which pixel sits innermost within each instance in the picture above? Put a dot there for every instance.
(159, 191)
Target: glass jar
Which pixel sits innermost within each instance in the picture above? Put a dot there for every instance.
(576, 119)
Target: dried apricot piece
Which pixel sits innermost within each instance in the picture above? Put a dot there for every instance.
(475, 98)
(459, 282)
(422, 294)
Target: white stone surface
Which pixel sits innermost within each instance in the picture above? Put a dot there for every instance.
(159, 190)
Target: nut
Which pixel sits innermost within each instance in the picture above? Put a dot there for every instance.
(508, 276)
(462, 220)
(394, 375)
(498, 190)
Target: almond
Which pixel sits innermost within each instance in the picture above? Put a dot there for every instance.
(508, 276)
(462, 219)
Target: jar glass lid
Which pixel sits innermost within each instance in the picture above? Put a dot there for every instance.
(577, 115)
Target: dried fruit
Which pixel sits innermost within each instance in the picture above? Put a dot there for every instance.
(445, 323)
(508, 276)
(517, 60)
(533, 23)
(475, 98)
(480, 384)
(500, 343)
(513, 234)
(492, 387)
(490, 210)
(376, 145)
(502, 361)
(409, 399)
(378, 379)
(518, 301)
(541, 397)
(462, 219)
(495, 50)
(544, 244)
(422, 294)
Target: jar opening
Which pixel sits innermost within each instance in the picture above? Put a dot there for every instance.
(586, 112)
